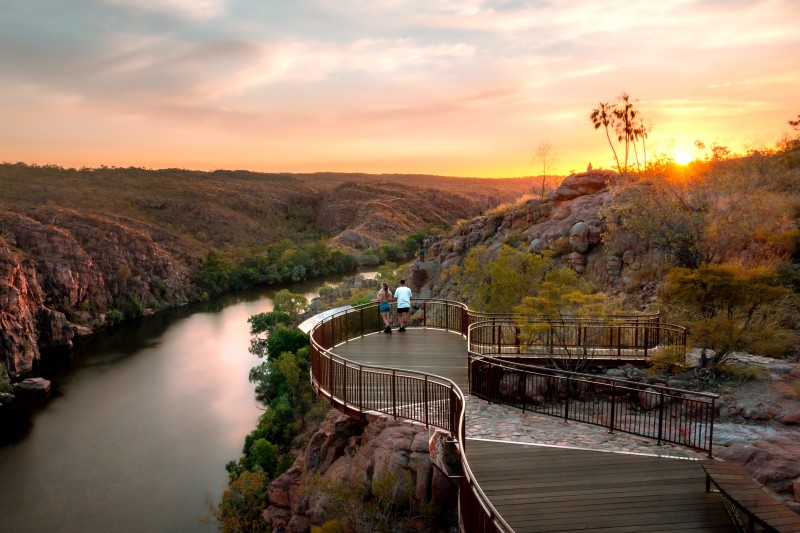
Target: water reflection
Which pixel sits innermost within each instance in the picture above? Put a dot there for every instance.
(141, 422)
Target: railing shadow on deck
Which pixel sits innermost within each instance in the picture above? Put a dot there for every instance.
(357, 389)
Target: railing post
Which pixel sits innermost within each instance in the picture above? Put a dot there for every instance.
(613, 406)
(566, 404)
(711, 428)
(446, 316)
(646, 340)
(361, 312)
(360, 389)
(394, 394)
(469, 373)
(344, 385)
(619, 341)
(425, 399)
(424, 314)
(660, 416)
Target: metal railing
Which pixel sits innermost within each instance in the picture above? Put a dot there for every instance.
(662, 413)
(357, 389)
(578, 338)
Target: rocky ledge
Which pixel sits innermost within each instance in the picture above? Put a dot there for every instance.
(348, 456)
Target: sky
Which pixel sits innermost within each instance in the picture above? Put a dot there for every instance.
(463, 88)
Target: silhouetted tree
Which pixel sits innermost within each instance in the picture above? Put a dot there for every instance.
(545, 155)
(603, 115)
(625, 115)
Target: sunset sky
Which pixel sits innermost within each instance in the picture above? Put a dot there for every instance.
(466, 88)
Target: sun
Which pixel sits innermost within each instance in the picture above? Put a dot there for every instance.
(682, 158)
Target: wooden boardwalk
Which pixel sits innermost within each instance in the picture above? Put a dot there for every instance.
(422, 350)
(543, 489)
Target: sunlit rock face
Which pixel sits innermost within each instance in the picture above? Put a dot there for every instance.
(61, 271)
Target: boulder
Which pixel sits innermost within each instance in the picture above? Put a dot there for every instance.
(579, 237)
(791, 419)
(32, 386)
(582, 184)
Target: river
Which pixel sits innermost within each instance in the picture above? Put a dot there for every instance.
(139, 426)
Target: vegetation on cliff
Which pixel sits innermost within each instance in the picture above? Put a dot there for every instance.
(80, 248)
(282, 384)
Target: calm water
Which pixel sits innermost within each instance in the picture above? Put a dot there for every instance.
(136, 435)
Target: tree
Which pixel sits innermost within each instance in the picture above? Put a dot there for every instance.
(561, 295)
(289, 302)
(603, 115)
(496, 282)
(625, 115)
(730, 308)
(261, 327)
(642, 131)
(795, 123)
(544, 154)
(243, 504)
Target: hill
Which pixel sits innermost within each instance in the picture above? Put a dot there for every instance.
(83, 247)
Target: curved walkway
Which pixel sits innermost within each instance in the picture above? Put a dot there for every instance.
(570, 485)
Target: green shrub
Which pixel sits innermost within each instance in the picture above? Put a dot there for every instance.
(243, 504)
(739, 372)
(668, 361)
(5, 383)
(113, 316)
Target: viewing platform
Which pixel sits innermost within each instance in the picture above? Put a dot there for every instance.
(422, 374)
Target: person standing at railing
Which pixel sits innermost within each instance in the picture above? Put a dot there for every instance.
(385, 308)
(403, 296)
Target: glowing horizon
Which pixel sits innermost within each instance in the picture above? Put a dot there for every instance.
(467, 88)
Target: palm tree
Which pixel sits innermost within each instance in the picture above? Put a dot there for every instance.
(604, 116)
(642, 132)
(625, 115)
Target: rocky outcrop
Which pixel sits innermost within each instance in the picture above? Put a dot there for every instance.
(772, 461)
(583, 183)
(346, 456)
(20, 302)
(570, 225)
(61, 271)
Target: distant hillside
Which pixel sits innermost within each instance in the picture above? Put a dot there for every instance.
(80, 248)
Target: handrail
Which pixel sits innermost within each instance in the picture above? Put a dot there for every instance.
(432, 400)
(588, 338)
(663, 413)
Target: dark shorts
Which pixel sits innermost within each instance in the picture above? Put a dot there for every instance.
(401, 310)
(386, 307)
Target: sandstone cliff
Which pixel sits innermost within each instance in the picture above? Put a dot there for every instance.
(348, 457)
(61, 271)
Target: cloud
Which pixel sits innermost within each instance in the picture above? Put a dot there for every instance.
(193, 9)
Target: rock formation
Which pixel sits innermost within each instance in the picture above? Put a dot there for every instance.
(344, 455)
(569, 224)
(61, 271)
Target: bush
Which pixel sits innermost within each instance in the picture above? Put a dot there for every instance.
(5, 383)
(668, 361)
(113, 316)
(243, 504)
(739, 372)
